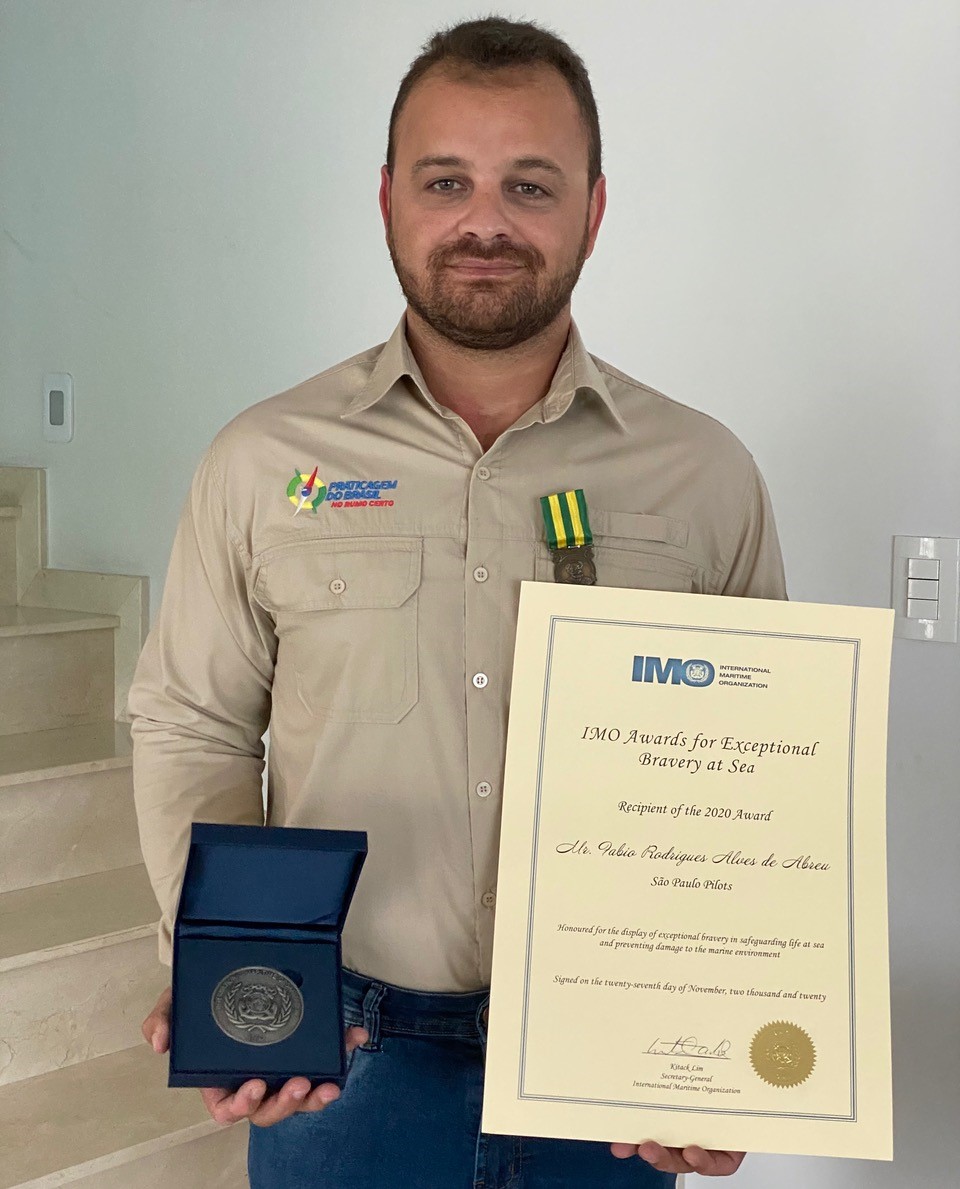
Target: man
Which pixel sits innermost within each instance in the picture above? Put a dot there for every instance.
(349, 558)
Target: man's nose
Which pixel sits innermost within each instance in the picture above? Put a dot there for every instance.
(485, 216)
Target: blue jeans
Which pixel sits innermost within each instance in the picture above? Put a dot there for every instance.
(408, 1116)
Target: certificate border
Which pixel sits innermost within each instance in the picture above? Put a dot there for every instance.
(697, 1110)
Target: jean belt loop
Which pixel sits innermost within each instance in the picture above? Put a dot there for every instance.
(371, 1015)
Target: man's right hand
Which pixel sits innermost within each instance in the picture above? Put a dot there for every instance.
(249, 1102)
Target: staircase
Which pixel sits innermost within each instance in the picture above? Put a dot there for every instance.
(83, 1098)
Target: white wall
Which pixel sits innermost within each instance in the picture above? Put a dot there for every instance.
(188, 203)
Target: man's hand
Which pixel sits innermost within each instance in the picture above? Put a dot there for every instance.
(248, 1102)
(689, 1159)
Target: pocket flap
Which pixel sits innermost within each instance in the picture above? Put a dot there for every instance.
(340, 573)
(639, 526)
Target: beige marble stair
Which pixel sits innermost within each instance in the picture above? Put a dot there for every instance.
(57, 666)
(112, 1123)
(69, 751)
(83, 1099)
(78, 970)
(123, 597)
(66, 804)
(23, 545)
(10, 516)
(36, 621)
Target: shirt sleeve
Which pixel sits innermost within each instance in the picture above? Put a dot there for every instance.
(756, 566)
(200, 700)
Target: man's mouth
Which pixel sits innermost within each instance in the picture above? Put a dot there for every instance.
(485, 267)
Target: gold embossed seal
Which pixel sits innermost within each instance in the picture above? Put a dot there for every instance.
(782, 1054)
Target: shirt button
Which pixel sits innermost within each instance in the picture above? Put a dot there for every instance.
(479, 680)
(483, 472)
(481, 573)
(338, 586)
(484, 789)
(488, 899)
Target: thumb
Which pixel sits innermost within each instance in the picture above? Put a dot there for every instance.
(356, 1036)
(156, 1027)
(156, 1031)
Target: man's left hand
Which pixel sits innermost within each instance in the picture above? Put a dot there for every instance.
(689, 1159)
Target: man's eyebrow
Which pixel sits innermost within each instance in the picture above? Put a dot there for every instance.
(543, 163)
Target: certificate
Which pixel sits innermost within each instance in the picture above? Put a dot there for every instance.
(690, 942)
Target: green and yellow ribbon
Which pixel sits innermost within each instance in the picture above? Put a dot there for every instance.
(565, 515)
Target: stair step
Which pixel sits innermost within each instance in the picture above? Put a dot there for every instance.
(79, 970)
(9, 525)
(214, 1160)
(110, 1113)
(54, 920)
(66, 751)
(17, 620)
(62, 823)
(58, 668)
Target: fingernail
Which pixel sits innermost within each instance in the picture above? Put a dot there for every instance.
(299, 1093)
(327, 1096)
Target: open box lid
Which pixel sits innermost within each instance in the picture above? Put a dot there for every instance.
(270, 875)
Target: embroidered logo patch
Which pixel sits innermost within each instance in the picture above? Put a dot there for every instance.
(306, 491)
(361, 493)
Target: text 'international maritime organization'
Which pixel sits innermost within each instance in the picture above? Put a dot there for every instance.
(697, 673)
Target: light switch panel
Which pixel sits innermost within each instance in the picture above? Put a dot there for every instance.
(923, 567)
(923, 609)
(923, 588)
(58, 407)
(926, 588)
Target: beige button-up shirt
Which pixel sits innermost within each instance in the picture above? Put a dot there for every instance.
(373, 630)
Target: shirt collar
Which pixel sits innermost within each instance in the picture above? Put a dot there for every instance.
(576, 372)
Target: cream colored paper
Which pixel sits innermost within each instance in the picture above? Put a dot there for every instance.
(740, 1001)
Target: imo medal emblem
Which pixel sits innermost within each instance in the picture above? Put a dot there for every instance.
(257, 1005)
(782, 1054)
(575, 564)
(697, 673)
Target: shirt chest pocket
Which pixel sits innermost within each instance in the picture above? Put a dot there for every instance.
(346, 614)
(637, 550)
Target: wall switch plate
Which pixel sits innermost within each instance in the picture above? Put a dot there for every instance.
(58, 407)
(926, 588)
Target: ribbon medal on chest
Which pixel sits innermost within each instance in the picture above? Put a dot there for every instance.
(569, 537)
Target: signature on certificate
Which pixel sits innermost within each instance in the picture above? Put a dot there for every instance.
(690, 1046)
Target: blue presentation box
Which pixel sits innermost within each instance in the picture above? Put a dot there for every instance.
(257, 989)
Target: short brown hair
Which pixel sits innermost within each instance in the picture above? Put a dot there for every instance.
(483, 47)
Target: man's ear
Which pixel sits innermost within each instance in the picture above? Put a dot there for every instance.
(598, 203)
(385, 196)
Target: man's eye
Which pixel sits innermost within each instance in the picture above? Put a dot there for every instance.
(532, 186)
(441, 181)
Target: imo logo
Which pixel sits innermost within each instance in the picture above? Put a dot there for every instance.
(696, 673)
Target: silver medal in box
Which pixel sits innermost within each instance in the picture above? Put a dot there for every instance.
(257, 1005)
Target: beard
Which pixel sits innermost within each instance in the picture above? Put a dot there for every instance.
(487, 314)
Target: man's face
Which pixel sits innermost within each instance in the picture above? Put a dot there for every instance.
(540, 223)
